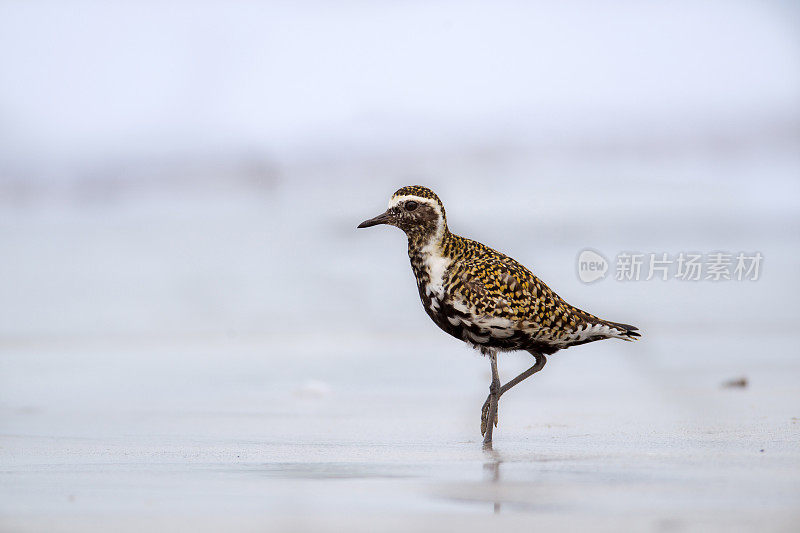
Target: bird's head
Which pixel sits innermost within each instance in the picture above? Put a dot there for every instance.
(414, 209)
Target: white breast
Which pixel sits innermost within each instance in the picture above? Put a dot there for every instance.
(436, 265)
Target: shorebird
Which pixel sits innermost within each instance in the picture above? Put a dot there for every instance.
(485, 298)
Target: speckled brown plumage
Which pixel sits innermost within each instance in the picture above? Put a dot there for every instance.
(485, 298)
(491, 301)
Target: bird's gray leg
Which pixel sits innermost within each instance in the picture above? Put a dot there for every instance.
(540, 362)
(490, 413)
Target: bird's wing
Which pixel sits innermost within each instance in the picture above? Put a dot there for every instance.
(499, 292)
(498, 287)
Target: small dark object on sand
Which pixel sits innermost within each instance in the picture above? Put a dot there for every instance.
(738, 383)
(485, 298)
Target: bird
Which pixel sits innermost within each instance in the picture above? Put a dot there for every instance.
(485, 298)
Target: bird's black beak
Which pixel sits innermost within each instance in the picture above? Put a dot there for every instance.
(383, 218)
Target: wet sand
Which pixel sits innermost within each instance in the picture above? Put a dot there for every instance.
(242, 363)
(189, 438)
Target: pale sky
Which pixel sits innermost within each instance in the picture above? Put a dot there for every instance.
(82, 80)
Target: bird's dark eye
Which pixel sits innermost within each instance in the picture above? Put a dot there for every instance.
(410, 206)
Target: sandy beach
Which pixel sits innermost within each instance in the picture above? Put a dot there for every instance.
(193, 420)
(195, 337)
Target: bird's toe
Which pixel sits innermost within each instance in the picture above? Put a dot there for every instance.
(485, 415)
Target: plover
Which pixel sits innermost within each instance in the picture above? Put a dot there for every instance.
(485, 298)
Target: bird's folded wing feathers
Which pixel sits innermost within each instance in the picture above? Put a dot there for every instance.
(505, 289)
(500, 289)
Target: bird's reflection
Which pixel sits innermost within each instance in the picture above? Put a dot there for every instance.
(491, 469)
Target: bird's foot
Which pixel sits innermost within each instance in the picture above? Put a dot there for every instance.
(485, 415)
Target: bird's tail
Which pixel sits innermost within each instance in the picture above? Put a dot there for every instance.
(595, 328)
(623, 331)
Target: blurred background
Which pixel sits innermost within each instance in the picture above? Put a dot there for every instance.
(180, 184)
